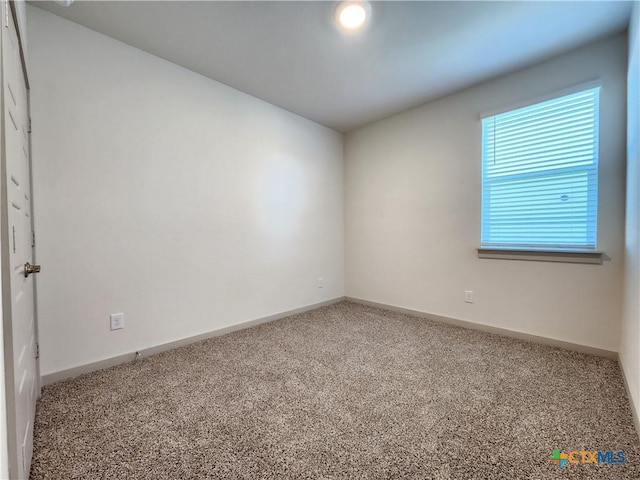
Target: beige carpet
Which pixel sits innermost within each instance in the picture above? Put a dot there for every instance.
(344, 391)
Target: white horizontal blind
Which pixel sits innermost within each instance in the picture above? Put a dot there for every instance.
(540, 175)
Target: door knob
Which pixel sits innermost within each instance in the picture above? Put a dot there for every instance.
(29, 269)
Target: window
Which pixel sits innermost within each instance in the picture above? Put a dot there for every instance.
(540, 175)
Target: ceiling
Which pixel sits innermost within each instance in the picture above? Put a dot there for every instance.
(292, 55)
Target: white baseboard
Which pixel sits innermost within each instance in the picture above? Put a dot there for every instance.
(504, 332)
(145, 352)
(634, 408)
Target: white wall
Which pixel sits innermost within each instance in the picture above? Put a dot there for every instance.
(630, 339)
(412, 211)
(183, 203)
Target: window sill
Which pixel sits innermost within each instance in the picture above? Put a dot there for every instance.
(594, 258)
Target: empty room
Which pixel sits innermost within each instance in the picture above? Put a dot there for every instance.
(320, 239)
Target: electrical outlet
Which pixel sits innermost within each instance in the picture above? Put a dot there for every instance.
(117, 321)
(468, 296)
(320, 282)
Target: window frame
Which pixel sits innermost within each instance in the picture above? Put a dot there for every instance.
(566, 255)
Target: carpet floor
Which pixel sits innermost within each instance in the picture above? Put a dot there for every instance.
(345, 391)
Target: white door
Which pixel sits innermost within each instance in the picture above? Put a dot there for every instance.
(20, 330)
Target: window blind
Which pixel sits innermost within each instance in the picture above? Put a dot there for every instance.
(540, 175)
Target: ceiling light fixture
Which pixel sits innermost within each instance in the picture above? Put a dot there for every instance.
(351, 16)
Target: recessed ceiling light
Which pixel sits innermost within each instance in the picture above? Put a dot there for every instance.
(352, 15)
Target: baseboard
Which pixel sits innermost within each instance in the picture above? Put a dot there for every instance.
(145, 352)
(634, 408)
(489, 329)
